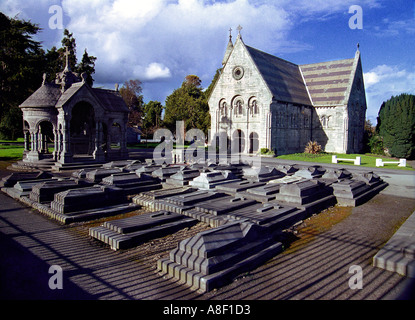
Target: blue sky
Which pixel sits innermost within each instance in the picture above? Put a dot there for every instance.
(161, 41)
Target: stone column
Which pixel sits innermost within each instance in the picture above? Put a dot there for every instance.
(98, 152)
(123, 142)
(33, 155)
(66, 155)
(55, 153)
(26, 141)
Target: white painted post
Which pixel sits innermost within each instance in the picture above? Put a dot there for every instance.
(379, 163)
(334, 159)
(357, 161)
(402, 163)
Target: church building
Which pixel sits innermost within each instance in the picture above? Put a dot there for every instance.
(262, 101)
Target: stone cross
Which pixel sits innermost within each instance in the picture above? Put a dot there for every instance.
(239, 30)
(66, 54)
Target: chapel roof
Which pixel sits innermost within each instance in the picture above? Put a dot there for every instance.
(329, 82)
(282, 77)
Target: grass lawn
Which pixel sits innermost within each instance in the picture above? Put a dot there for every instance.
(10, 152)
(367, 160)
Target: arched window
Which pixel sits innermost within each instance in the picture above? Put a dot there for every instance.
(253, 107)
(238, 107)
(223, 108)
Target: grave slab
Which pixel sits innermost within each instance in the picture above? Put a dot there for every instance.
(45, 191)
(215, 257)
(130, 232)
(211, 179)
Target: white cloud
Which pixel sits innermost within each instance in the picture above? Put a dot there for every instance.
(385, 81)
(156, 71)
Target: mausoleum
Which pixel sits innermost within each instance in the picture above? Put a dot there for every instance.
(80, 122)
(262, 101)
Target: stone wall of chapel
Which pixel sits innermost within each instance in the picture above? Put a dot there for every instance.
(356, 112)
(291, 127)
(230, 90)
(330, 127)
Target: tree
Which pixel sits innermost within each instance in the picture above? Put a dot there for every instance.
(87, 65)
(189, 104)
(131, 94)
(69, 42)
(21, 62)
(396, 125)
(151, 116)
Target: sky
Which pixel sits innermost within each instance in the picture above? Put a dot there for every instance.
(160, 42)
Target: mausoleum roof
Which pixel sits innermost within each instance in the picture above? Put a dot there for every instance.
(46, 96)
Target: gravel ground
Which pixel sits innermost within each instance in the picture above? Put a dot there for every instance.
(314, 266)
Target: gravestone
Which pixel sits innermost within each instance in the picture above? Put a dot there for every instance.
(311, 195)
(215, 257)
(97, 175)
(311, 172)
(165, 172)
(182, 177)
(211, 179)
(12, 179)
(262, 174)
(45, 191)
(130, 232)
(74, 200)
(239, 186)
(133, 183)
(336, 174)
(149, 199)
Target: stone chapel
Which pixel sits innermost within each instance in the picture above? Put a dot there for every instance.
(80, 123)
(262, 101)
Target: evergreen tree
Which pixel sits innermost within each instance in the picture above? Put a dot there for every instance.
(396, 125)
(87, 65)
(21, 64)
